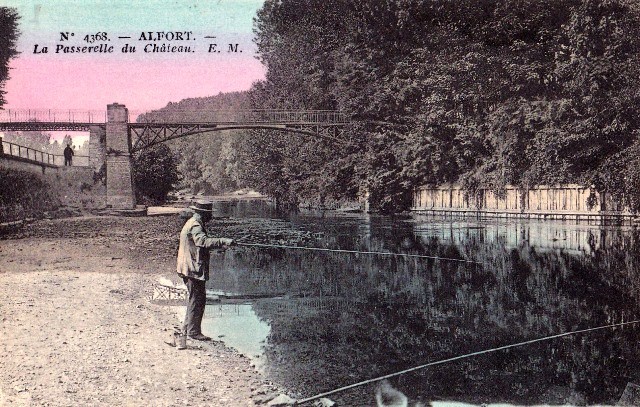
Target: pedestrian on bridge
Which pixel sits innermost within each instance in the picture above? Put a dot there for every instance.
(68, 155)
(193, 265)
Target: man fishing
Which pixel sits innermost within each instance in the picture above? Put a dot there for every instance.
(193, 265)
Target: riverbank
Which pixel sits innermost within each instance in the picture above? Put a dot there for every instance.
(78, 327)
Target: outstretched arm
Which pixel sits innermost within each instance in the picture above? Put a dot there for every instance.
(201, 239)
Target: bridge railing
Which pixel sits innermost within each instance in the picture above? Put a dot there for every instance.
(267, 116)
(52, 116)
(309, 117)
(16, 150)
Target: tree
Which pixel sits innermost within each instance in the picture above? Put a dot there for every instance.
(484, 93)
(155, 173)
(8, 37)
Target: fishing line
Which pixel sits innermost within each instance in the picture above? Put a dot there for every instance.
(320, 249)
(468, 355)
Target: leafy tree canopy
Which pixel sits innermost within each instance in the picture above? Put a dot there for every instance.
(486, 93)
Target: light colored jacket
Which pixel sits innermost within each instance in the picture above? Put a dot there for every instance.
(193, 253)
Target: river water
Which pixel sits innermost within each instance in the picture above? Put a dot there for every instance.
(339, 318)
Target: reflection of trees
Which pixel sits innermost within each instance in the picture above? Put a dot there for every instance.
(400, 312)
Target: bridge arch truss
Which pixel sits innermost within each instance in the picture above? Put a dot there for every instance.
(148, 135)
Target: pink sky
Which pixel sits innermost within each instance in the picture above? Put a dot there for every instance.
(140, 80)
(91, 84)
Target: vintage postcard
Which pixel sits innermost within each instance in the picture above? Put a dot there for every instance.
(319, 203)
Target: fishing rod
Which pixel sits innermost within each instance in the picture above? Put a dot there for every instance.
(320, 249)
(455, 358)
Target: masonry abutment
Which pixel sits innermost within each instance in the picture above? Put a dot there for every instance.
(97, 148)
(120, 193)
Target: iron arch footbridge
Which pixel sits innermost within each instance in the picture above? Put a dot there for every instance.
(117, 133)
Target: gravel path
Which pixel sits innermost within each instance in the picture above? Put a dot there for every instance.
(78, 329)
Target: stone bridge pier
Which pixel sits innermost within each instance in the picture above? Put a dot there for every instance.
(120, 189)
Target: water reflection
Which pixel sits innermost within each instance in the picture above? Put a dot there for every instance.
(352, 317)
(237, 324)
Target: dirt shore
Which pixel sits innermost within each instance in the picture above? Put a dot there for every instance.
(78, 328)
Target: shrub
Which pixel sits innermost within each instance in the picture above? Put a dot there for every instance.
(25, 195)
(155, 172)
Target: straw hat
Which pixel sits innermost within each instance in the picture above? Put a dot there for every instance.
(202, 206)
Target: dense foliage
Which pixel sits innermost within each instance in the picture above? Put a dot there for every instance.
(486, 93)
(8, 36)
(207, 162)
(154, 173)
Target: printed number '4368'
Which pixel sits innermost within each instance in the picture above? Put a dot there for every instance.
(91, 38)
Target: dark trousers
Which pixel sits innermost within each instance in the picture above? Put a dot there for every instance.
(196, 301)
(67, 161)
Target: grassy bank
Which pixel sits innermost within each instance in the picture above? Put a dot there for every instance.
(25, 195)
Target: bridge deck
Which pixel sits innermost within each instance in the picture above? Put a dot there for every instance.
(46, 126)
(74, 120)
(150, 128)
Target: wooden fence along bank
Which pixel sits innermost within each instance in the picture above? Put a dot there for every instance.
(570, 202)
